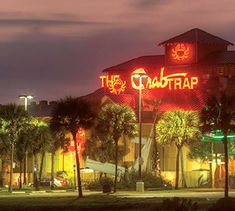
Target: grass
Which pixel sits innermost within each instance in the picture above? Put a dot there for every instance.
(92, 202)
(122, 200)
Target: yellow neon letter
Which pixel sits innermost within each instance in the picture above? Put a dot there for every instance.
(103, 77)
(194, 81)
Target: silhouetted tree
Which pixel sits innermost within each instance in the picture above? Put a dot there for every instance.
(219, 114)
(58, 141)
(72, 114)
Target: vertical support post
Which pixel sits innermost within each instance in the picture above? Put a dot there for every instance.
(11, 170)
(140, 128)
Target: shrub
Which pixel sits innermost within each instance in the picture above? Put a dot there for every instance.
(94, 185)
(150, 181)
(99, 184)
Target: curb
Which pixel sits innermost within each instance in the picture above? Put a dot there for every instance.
(38, 191)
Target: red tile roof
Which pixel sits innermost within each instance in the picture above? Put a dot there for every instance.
(150, 63)
(197, 35)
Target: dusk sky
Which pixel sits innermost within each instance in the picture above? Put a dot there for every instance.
(56, 48)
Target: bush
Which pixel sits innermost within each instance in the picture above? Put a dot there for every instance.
(150, 181)
(99, 184)
(94, 185)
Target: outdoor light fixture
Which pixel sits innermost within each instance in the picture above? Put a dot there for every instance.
(217, 135)
(140, 185)
(26, 98)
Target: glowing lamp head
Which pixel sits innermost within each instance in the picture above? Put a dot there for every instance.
(26, 96)
(30, 97)
(140, 72)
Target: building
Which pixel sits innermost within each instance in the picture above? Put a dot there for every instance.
(194, 63)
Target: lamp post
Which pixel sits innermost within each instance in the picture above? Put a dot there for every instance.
(26, 98)
(140, 184)
(74, 175)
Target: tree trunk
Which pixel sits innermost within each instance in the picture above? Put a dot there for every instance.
(184, 185)
(25, 168)
(211, 167)
(20, 184)
(155, 148)
(35, 173)
(211, 174)
(52, 170)
(41, 166)
(78, 166)
(101, 175)
(116, 166)
(225, 142)
(2, 173)
(177, 168)
(11, 170)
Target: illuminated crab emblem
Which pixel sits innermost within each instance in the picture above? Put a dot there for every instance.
(180, 52)
(117, 86)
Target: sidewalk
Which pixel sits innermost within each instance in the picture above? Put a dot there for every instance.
(181, 193)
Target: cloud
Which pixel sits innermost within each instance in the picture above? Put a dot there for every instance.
(149, 3)
(45, 22)
(53, 66)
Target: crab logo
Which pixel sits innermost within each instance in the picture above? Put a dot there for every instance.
(180, 52)
(117, 86)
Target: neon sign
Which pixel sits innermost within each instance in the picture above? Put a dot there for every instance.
(114, 83)
(180, 52)
(173, 81)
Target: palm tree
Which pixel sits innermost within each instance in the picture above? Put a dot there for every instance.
(40, 137)
(219, 114)
(14, 118)
(4, 150)
(181, 128)
(72, 114)
(20, 152)
(155, 103)
(113, 122)
(59, 140)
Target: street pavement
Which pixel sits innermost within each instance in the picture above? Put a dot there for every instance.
(209, 194)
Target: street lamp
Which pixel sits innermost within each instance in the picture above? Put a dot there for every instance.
(140, 75)
(26, 98)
